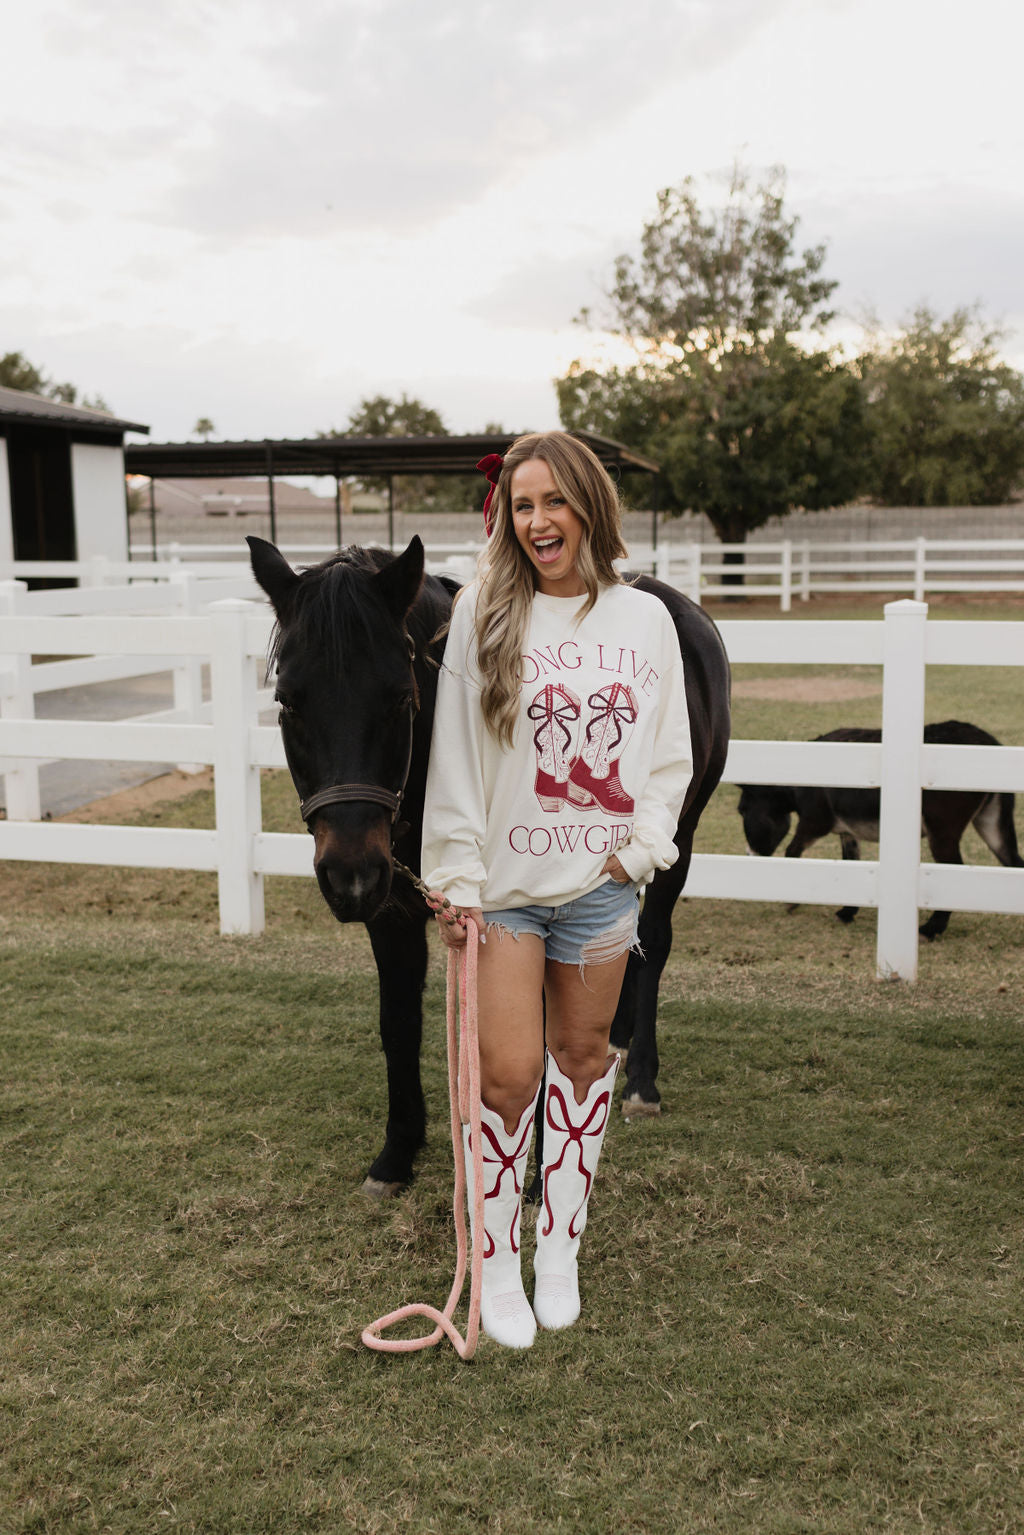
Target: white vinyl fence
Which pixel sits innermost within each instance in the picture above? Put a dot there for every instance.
(232, 636)
(786, 569)
(803, 569)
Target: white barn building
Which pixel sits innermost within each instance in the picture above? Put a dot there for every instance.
(62, 485)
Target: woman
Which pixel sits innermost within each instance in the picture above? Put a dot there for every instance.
(559, 761)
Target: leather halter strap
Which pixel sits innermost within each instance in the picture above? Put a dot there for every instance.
(368, 793)
(342, 793)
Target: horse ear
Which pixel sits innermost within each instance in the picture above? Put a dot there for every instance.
(399, 582)
(272, 571)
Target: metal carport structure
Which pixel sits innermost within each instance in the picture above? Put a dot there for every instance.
(350, 457)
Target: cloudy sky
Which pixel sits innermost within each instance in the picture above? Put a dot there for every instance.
(263, 212)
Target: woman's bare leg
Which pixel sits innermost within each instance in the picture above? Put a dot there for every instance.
(510, 984)
(580, 1011)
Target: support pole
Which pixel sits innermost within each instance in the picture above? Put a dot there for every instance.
(270, 492)
(152, 516)
(391, 513)
(337, 511)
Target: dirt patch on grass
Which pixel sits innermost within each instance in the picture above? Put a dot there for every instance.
(804, 690)
(129, 802)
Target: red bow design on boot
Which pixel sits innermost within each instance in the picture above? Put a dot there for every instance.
(593, 1124)
(594, 777)
(555, 711)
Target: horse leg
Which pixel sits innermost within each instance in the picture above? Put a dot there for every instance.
(635, 1022)
(994, 824)
(399, 944)
(943, 833)
(851, 849)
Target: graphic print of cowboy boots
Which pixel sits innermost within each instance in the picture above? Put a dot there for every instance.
(555, 711)
(594, 776)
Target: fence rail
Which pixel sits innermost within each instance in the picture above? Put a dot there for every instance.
(231, 636)
(789, 569)
(803, 569)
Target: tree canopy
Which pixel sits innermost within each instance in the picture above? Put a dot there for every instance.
(723, 390)
(16, 372)
(382, 416)
(946, 416)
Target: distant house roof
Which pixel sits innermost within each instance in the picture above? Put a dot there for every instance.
(19, 407)
(233, 495)
(346, 456)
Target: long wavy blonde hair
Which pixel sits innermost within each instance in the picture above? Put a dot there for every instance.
(507, 580)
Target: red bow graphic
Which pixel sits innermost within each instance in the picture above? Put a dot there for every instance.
(490, 465)
(575, 1133)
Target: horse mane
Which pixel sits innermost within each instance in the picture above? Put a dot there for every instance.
(335, 608)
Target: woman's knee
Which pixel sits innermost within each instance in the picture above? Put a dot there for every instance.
(508, 1091)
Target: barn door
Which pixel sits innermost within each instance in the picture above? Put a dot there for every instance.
(42, 505)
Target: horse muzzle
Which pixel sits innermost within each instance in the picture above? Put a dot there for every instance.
(352, 869)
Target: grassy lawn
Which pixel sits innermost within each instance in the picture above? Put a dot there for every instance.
(802, 1283)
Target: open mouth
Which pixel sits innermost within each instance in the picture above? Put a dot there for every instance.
(547, 550)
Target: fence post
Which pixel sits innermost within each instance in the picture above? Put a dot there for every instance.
(805, 571)
(234, 689)
(663, 564)
(899, 832)
(920, 557)
(188, 674)
(95, 571)
(786, 600)
(692, 578)
(17, 701)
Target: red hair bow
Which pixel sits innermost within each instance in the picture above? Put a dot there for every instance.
(491, 466)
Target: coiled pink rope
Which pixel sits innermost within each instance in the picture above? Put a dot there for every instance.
(464, 1101)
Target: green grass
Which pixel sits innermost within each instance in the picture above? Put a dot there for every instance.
(802, 1284)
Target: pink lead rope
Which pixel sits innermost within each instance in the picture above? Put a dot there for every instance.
(464, 1099)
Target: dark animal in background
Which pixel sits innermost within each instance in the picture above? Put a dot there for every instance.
(357, 664)
(852, 814)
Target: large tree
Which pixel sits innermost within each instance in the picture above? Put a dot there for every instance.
(946, 415)
(725, 388)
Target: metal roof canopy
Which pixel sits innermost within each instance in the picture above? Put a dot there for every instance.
(340, 456)
(19, 408)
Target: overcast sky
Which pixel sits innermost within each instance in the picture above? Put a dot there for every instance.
(262, 213)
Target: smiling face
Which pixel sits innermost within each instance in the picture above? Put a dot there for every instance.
(548, 529)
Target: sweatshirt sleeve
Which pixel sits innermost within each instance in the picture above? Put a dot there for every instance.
(455, 807)
(651, 845)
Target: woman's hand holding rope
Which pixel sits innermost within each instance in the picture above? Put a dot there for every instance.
(451, 921)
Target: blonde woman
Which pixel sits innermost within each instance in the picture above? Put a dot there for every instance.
(559, 762)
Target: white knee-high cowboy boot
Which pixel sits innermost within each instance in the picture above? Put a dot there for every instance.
(573, 1134)
(505, 1313)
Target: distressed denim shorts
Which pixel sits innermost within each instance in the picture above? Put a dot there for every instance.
(594, 929)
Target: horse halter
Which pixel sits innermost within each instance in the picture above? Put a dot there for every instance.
(367, 793)
(340, 793)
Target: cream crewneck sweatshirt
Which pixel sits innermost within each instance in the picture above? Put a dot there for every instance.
(600, 763)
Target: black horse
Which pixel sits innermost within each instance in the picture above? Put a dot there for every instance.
(852, 814)
(357, 663)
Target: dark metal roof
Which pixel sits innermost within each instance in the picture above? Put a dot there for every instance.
(358, 456)
(19, 407)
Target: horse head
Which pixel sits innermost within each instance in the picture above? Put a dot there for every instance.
(766, 811)
(348, 695)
